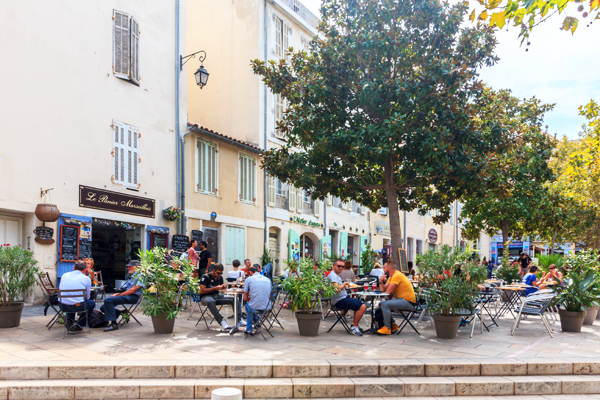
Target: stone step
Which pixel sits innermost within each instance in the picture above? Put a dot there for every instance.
(279, 388)
(298, 369)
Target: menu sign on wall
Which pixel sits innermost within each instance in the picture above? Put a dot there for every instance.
(69, 243)
(100, 199)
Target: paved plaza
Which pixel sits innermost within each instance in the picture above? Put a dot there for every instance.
(33, 342)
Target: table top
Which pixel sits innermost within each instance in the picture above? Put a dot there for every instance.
(373, 294)
(231, 291)
(513, 287)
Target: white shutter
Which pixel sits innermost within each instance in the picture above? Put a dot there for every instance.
(206, 181)
(329, 199)
(300, 201)
(134, 74)
(247, 179)
(133, 152)
(317, 210)
(271, 191)
(278, 37)
(118, 152)
(292, 197)
(286, 39)
(121, 44)
(363, 209)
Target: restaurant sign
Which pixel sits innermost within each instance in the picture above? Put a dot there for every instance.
(100, 199)
(432, 236)
(303, 221)
(382, 228)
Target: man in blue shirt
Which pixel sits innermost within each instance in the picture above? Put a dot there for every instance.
(131, 295)
(76, 280)
(257, 294)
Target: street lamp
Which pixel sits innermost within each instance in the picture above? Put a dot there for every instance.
(201, 74)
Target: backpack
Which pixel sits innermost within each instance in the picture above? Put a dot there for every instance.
(97, 320)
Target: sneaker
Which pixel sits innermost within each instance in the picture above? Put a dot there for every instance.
(395, 327)
(355, 331)
(385, 331)
(247, 333)
(243, 322)
(224, 325)
(111, 327)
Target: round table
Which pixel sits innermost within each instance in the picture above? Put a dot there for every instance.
(235, 293)
(368, 295)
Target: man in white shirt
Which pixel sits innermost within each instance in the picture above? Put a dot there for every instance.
(76, 280)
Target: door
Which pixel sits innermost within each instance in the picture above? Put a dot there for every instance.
(325, 247)
(343, 244)
(211, 236)
(293, 245)
(11, 230)
(235, 244)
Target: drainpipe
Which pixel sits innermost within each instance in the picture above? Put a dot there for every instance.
(325, 216)
(265, 183)
(404, 243)
(177, 127)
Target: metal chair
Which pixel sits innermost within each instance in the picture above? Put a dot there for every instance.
(340, 315)
(196, 300)
(272, 316)
(535, 304)
(81, 308)
(406, 317)
(101, 284)
(49, 291)
(129, 310)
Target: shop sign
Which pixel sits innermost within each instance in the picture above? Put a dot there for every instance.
(382, 228)
(432, 236)
(100, 199)
(43, 235)
(303, 221)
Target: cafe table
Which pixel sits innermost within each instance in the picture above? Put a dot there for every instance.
(371, 296)
(235, 293)
(513, 294)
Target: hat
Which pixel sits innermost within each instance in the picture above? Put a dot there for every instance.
(256, 265)
(133, 263)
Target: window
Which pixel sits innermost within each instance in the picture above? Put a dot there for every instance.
(419, 247)
(206, 180)
(409, 248)
(280, 107)
(247, 179)
(282, 37)
(126, 47)
(451, 215)
(280, 188)
(431, 246)
(126, 148)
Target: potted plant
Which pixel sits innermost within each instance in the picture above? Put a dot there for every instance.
(450, 291)
(581, 290)
(18, 273)
(172, 213)
(367, 260)
(507, 273)
(305, 290)
(161, 282)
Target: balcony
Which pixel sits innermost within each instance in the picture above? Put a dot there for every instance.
(303, 12)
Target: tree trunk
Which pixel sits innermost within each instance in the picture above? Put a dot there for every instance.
(394, 212)
(553, 240)
(504, 225)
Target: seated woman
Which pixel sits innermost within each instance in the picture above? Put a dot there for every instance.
(531, 279)
(377, 270)
(554, 274)
(347, 274)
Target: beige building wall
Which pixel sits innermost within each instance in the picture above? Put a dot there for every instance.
(61, 98)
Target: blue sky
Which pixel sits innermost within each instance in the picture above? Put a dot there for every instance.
(559, 68)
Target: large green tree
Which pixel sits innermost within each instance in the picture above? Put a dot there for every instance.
(509, 199)
(383, 107)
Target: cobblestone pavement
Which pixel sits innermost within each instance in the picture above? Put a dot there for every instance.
(33, 342)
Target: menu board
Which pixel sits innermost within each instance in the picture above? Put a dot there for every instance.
(197, 236)
(85, 248)
(179, 243)
(403, 263)
(158, 240)
(69, 243)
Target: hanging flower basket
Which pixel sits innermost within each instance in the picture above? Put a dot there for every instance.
(47, 212)
(172, 213)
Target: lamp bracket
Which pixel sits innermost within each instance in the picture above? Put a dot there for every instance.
(184, 59)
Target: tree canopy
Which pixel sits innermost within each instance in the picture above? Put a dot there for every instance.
(383, 108)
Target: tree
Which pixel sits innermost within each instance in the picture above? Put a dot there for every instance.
(383, 107)
(509, 199)
(528, 13)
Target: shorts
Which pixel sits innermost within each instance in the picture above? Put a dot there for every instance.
(348, 303)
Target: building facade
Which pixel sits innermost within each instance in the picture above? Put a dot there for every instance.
(92, 123)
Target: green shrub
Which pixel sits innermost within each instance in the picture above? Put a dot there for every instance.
(308, 286)
(18, 273)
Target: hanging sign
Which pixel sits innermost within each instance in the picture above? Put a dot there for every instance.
(43, 235)
(382, 228)
(403, 262)
(100, 199)
(432, 236)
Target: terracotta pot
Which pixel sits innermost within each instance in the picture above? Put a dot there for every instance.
(162, 324)
(446, 326)
(47, 212)
(10, 317)
(590, 315)
(308, 324)
(571, 321)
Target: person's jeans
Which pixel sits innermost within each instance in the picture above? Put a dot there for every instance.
(110, 302)
(72, 309)
(251, 317)
(390, 305)
(213, 301)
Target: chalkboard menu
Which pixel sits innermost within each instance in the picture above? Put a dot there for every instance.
(85, 248)
(179, 243)
(403, 263)
(158, 240)
(197, 236)
(69, 243)
(43, 235)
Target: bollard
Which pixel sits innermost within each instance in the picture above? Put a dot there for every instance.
(226, 394)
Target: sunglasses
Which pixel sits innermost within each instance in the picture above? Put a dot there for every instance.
(553, 268)
(219, 273)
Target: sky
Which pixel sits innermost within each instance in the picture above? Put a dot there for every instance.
(559, 68)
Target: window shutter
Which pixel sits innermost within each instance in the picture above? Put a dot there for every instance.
(278, 37)
(363, 209)
(134, 74)
(134, 151)
(271, 191)
(286, 39)
(300, 201)
(207, 168)
(247, 179)
(118, 152)
(121, 42)
(317, 208)
(292, 198)
(329, 199)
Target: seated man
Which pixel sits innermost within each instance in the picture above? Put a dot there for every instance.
(341, 301)
(257, 293)
(210, 284)
(131, 295)
(400, 292)
(76, 280)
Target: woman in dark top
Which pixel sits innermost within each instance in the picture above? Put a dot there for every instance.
(525, 262)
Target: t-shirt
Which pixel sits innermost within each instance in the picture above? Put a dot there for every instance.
(192, 256)
(528, 279)
(235, 274)
(259, 288)
(209, 282)
(75, 280)
(525, 261)
(204, 256)
(348, 275)
(404, 289)
(131, 282)
(335, 278)
(376, 272)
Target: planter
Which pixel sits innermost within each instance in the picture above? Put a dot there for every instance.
(10, 317)
(47, 212)
(571, 321)
(591, 313)
(308, 324)
(162, 324)
(446, 326)
(598, 316)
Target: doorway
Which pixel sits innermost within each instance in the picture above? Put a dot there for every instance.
(274, 248)
(11, 230)
(307, 247)
(211, 236)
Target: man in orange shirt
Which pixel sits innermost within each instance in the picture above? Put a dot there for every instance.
(400, 293)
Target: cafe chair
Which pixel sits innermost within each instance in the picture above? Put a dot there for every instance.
(81, 309)
(340, 317)
(203, 310)
(272, 315)
(50, 293)
(102, 290)
(263, 319)
(406, 317)
(129, 310)
(536, 304)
